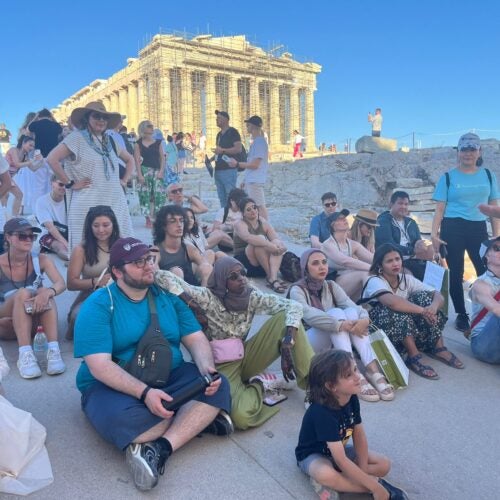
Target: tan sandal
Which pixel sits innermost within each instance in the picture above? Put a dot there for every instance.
(381, 386)
(366, 393)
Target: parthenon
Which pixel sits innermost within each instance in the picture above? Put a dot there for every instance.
(178, 82)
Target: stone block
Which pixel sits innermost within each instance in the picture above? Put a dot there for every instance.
(369, 144)
(410, 182)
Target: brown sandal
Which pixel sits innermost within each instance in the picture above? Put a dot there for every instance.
(276, 286)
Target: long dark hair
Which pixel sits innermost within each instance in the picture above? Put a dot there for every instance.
(23, 140)
(327, 368)
(243, 203)
(161, 221)
(235, 195)
(195, 230)
(378, 259)
(89, 242)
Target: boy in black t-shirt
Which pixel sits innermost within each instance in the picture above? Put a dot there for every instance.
(329, 423)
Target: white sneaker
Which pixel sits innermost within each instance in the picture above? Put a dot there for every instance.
(273, 381)
(28, 365)
(4, 366)
(55, 364)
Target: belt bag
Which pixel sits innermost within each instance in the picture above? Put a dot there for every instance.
(152, 359)
(227, 350)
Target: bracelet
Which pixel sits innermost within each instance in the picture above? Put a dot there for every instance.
(144, 394)
(69, 185)
(93, 283)
(54, 290)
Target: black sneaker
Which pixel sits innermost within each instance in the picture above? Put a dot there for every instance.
(394, 492)
(222, 425)
(462, 322)
(147, 462)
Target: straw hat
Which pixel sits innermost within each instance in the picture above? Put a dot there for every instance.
(78, 114)
(367, 216)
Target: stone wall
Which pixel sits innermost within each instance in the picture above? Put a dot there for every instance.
(360, 181)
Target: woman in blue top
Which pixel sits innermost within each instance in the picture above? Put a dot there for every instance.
(458, 223)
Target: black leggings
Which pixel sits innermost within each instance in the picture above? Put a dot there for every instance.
(461, 235)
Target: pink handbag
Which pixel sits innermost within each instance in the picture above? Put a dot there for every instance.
(227, 350)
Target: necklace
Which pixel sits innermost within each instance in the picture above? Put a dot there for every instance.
(390, 284)
(25, 276)
(135, 301)
(102, 249)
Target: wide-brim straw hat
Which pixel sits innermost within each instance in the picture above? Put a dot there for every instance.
(367, 216)
(78, 114)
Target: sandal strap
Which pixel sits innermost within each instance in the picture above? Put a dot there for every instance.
(379, 381)
(437, 350)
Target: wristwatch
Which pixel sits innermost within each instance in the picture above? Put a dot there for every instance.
(288, 339)
(69, 185)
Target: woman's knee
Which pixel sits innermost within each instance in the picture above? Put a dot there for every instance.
(351, 313)
(337, 313)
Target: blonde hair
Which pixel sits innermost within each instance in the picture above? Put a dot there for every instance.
(367, 242)
(142, 127)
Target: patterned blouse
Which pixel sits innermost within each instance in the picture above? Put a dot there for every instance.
(223, 324)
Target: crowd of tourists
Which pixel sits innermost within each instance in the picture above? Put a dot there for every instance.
(187, 290)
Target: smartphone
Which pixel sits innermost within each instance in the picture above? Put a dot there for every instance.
(274, 399)
(36, 152)
(225, 158)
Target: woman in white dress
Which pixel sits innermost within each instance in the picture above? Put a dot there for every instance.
(92, 169)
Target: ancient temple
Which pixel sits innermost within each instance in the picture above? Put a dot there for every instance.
(177, 82)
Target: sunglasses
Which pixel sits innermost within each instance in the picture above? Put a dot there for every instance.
(467, 149)
(233, 276)
(496, 248)
(251, 207)
(331, 204)
(141, 263)
(26, 236)
(177, 191)
(99, 116)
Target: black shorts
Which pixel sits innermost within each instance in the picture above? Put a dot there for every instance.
(252, 271)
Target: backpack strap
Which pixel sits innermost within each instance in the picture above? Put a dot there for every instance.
(488, 173)
(154, 325)
(447, 176)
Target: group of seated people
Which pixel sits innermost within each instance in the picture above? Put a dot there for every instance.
(204, 300)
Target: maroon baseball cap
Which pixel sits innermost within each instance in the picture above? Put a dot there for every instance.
(125, 250)
(19, 224)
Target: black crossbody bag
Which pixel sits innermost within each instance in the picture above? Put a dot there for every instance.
(152, 359)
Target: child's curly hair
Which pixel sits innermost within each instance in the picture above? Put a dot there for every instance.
(327, 368)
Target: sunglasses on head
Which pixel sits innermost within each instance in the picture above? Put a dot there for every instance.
(141, 263)
(177, 191)
(26, 236)
(98, 116)
(234, 275)
(330, 204)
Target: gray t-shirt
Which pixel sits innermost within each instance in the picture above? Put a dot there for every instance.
(492, 280)
(258, 149)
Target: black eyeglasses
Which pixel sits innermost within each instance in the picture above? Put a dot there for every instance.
(177, 191)
(141, 263)
(233, 276)
(331, 204)
(251, 207)
(98, 116)
(26, 236)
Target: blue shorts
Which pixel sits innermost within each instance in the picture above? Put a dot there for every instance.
(306, 463)
(120, 418)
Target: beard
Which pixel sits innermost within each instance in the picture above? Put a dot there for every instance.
(141, 284)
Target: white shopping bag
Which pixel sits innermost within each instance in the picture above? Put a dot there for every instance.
(24, 462)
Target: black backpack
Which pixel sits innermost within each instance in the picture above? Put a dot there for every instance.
(290, 267)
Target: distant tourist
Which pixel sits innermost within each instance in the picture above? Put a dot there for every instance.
(23, 129)
(297, 144)
(376, 121)
(458, 222)
(5, 136)
(319, 229)
(397, 228)
(46, 130)
(176, 196)
(228, 142)
(256, 166)
(150, 161)
(226, 217)
(118, 144)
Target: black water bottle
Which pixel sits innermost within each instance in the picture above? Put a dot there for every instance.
(189, 391)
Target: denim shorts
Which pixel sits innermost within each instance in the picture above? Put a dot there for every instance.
(305, 464)
(120, 418)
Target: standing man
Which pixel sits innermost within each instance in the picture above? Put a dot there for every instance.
(51, 212)
(123, 409)
(229, 144)
(319, 229)
(118, 144)
(376, 121)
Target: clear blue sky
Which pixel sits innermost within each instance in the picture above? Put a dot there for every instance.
(431, 65)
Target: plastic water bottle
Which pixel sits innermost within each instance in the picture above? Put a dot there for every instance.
(40, 347)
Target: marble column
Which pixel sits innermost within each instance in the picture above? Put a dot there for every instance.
(212, 129)
(165, 102)
(123, 100)
(234, 105)
(114, 102)
(310, 130)
(274, 132)
(187, 101)
(294, 111)
(132, 113)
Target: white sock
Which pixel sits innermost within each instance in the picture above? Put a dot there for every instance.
(53, 345)
(25, 348)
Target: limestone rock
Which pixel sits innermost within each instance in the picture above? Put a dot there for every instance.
(369, 144)
(411, 182)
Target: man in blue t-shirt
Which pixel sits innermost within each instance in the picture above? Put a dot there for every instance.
(319, 229)
(123, 409)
